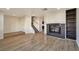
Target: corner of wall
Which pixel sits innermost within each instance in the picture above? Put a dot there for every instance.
(1, 26)
(77, 27)
(77, 43)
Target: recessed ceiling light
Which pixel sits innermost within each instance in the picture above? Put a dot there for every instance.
(8, 8)
(58, 8)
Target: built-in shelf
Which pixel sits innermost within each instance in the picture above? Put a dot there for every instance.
(70, 14)
(71, 24)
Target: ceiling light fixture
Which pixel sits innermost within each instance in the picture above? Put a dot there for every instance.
(8, 8)
(58, 8)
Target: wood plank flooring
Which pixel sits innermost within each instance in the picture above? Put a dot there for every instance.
(37, 42)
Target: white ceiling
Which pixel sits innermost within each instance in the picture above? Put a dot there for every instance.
(28, 11)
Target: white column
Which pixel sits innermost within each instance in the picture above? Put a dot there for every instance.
(77, 27)
(1, 26)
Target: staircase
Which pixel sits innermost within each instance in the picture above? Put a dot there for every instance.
(35, 29)
(32, 24)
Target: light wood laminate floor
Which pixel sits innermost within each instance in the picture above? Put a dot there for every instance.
(37, 42)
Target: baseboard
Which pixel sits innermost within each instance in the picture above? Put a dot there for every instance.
(13, 34)
(29, 33)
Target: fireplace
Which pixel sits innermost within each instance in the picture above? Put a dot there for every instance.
(56, 29)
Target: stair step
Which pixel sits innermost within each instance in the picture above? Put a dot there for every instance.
(35, 29)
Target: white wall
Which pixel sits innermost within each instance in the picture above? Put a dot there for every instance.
(1, 26)
(13, 24)
(57, 17)
(77, 27)
(22, 23)
(27, 27)
(40, 23)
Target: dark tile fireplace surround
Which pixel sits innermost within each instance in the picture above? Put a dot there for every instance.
(56, 29)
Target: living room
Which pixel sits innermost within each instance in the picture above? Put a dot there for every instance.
(17, 22)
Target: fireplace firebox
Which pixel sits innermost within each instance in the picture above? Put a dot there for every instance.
(56, 29)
